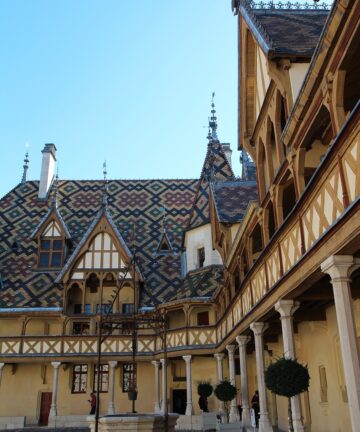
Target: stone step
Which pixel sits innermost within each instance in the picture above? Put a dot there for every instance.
(47, 429)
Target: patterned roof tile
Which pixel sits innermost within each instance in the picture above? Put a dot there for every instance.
(129, 201)
(232, 198)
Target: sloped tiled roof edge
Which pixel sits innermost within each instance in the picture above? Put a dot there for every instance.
(307, 21)
(238, 208)
(199, 283)
(257, 29)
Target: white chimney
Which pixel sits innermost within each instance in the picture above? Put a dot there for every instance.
(228, 152)
(47, 170)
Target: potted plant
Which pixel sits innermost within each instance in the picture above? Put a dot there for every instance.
(286, 377)
(225, 392)
(204, 390)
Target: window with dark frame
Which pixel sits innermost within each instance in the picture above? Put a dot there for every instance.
(106, 308)
(201, 257)
(104, 378)
(79, 378)
(128, 378)
(78, 309)
(51, 252)
(203, 318)
(81, 328)
(127, 308)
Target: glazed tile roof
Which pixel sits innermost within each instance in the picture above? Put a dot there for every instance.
(285, 31)
(129, 201)
(231, 199)
(216, 167)
(292, 32)
(201, 283)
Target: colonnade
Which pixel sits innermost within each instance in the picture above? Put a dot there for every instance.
(339, 268)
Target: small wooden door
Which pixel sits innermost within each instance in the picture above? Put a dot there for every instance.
(45, 408)
(179, 401)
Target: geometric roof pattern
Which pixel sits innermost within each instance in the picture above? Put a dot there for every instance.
(231, 199)
(285, 29)
(201, 283)
(216, 167)
(129, 201)
(292, 32)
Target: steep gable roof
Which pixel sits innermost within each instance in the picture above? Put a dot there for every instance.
(285, 29)
(103, 213)
(129, 201)
(217, 167)
(231, 199)
(53, 212)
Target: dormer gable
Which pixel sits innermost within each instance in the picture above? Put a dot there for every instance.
(51, 235)
(102, 248)
(51, 225)
(164, 246)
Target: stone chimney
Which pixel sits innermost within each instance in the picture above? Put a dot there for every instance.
(47, 170)
(228, 152)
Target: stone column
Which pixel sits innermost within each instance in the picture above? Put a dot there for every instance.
(111, 405)
(189, 405)
(286, 309)
(1, 370)
(242, 342)
(258, 329)
(233, 415)
(339, 267)
(220, 376)
(163, 385)
(53, 407)
(157, 407)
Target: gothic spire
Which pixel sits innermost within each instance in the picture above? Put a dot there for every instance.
(55, 197)
(26, 164)
(212, 135)
(105, 191)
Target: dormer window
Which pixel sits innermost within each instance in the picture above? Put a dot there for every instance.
(164, 247)
(51, 252)
(51, 247)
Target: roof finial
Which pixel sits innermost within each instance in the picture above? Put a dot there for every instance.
(212, 136)
(26, 164)
(56, 180)
(105, 191)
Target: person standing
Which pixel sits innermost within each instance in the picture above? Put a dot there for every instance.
(255, 405)
(92, 402)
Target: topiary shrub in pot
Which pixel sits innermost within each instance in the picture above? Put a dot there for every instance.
(225, 392)
(286, 377)
(204, 390)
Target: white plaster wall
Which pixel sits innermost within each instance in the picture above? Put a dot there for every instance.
(195, 239)
(297, 74)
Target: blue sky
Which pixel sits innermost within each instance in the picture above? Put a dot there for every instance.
(125, 81)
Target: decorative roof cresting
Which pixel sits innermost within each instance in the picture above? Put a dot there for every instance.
(281, 4)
